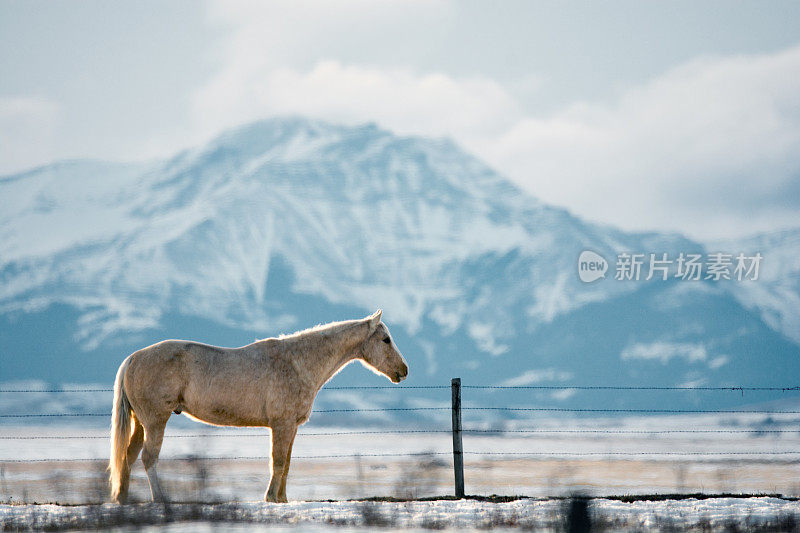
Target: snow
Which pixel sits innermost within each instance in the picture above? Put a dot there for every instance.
(659, 436)
(358, 214)
(360, 218)
(459, 514)
(228, 479)
(647, 455)
(775, 295)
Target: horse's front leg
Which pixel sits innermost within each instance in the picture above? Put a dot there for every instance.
(282, 490)
(282, 437)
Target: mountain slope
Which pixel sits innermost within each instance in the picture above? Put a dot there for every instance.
(287, 222)
(776, 296)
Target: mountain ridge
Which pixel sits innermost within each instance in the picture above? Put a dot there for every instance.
(284, 222)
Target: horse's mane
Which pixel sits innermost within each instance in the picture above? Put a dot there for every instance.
(330, 327)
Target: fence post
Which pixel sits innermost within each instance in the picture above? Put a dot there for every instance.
(458, 450)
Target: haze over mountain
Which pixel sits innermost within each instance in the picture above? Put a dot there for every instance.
(285, 223)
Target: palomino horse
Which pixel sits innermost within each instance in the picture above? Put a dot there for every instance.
(270, 383)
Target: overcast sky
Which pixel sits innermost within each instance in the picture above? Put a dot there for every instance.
(679, 116)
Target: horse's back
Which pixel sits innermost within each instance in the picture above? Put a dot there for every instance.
(158, 375)
(213, 384)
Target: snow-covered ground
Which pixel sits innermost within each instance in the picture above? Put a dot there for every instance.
(715, 513)
(728, 436)
(751, 454)
(552, 457)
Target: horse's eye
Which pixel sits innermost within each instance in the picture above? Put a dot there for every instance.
(387, 340)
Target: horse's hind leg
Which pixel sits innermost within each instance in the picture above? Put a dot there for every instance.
(153, 437)
(136, 442)
(134, 447)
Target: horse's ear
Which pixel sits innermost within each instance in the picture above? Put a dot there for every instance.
(374, 320)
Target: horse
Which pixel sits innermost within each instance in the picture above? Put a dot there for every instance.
(270, 383)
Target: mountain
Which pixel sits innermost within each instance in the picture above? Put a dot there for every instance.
(288, 222)
(776, 296)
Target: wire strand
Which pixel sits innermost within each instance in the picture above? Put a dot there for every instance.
(626, 387)
(424, 454)
(524, 409)
(433, 431)
(488, 387)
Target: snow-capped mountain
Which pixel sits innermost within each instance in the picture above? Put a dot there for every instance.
(288, 222)
(777, 294)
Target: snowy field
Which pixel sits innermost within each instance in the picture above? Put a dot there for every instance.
(715, 513)
(597, 457)
(226, 471)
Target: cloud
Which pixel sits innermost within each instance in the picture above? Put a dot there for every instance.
(297, 57)
(664, 351)
(403, 101)
(708, 148)
(533, 377)
(27, 125)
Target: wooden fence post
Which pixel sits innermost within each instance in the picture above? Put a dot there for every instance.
(458, 450)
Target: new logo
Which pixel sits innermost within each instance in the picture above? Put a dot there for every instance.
(591, 266)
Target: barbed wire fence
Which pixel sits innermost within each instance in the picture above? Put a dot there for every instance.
(455, 430)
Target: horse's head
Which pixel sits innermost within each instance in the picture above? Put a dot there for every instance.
(380, 353)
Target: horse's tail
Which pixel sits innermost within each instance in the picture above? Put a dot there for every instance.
(120, 431)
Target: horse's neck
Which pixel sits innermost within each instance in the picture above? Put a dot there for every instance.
(328, 353)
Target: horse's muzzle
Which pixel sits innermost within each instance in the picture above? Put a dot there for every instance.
(401, 375)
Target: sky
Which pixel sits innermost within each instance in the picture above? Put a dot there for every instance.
(650, 116)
